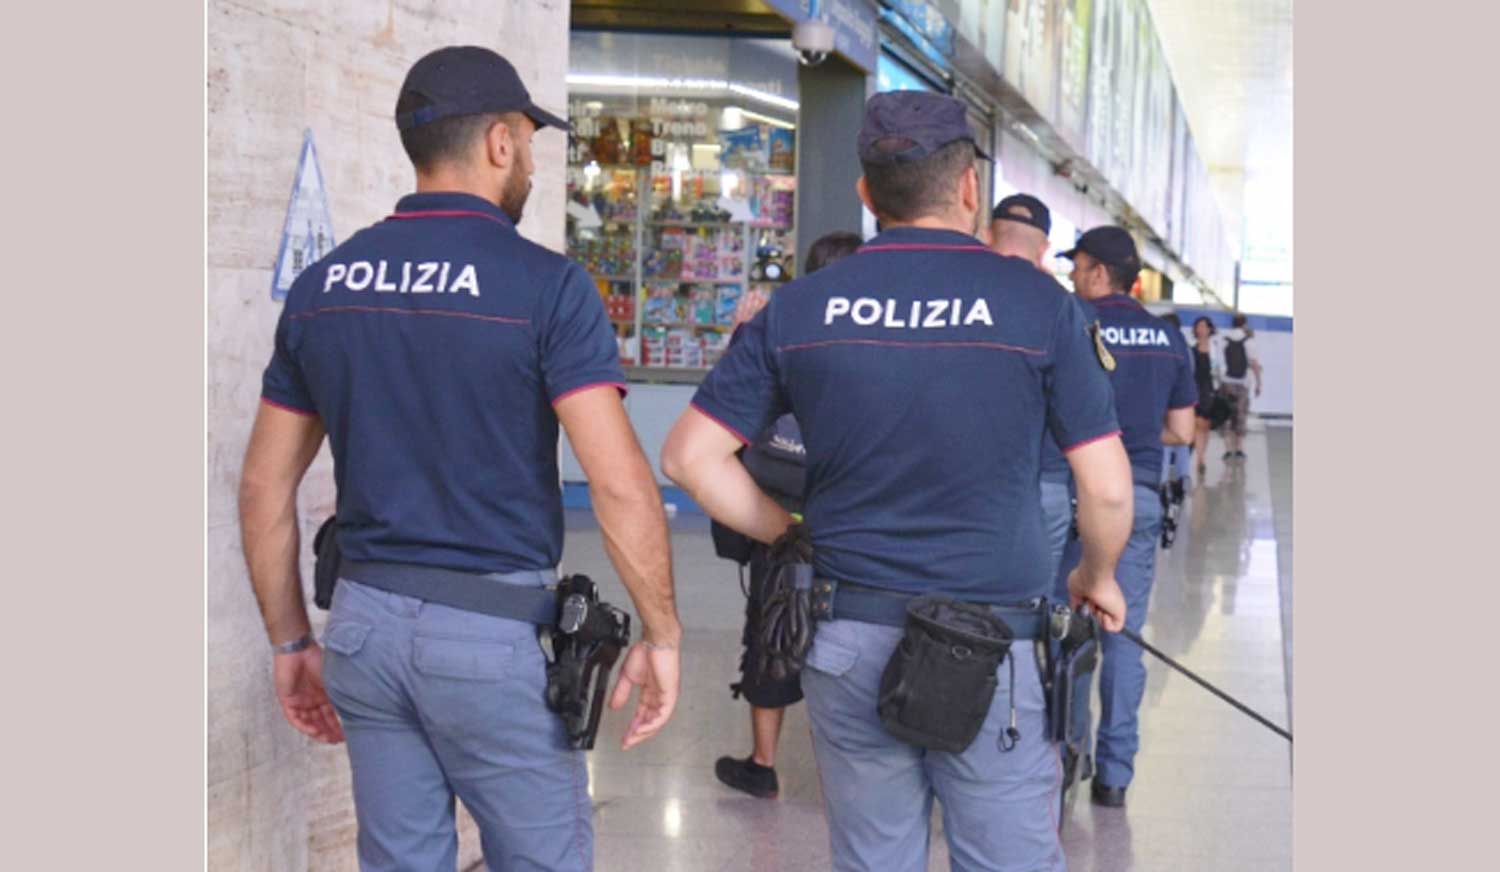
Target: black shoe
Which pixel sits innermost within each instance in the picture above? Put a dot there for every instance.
(1228, 455)
(1240, 455)
(747, 775)
(1103, 794)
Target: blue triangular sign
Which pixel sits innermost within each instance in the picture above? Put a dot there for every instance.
(307, 234)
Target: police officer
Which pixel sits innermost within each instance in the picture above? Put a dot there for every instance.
(1154, 399)
(924, 371)
(1019, 227)
(439, 351)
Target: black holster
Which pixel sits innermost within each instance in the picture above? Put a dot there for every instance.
(939, 683)
(586, 641)
(1072, 657)
(784, 626)
(326, 560)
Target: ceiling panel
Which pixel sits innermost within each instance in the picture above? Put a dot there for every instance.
(1231, 61)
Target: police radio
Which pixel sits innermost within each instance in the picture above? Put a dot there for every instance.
(586, 641)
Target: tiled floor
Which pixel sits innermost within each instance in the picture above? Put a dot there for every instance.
(1212, 789)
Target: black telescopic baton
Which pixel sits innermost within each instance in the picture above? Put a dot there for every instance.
(1127, 633)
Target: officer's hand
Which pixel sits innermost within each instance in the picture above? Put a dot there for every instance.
(299, 688)
(1103, 596)
(656, 672)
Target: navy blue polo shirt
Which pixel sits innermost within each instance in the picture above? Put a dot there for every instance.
(1153, 373)
(433, 346)
(925, 371)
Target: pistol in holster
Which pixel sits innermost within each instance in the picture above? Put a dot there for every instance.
(326, 562)
(1072, 656)
(586, 641)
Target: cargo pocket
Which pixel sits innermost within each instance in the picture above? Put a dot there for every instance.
(342, 678)
(463, 659)
(830, 656)
(346, 637)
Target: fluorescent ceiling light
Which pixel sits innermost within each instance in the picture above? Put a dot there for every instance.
(662, 83)
(777, 122)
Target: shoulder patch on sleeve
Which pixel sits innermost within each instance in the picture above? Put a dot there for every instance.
(1106, 359)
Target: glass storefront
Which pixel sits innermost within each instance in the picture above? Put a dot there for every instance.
(681, 185)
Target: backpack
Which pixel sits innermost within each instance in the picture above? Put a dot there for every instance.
(1236, 361)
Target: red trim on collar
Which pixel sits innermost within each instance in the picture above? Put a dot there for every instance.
(448, 213)
(921, 246)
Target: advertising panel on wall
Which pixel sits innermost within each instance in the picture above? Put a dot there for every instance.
(1179, 175)
(1075, 22)
(982, 23)
(1031, 47)
(1112, 72)
(1154, 149)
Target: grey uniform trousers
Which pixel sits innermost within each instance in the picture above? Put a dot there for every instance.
(437, 703)
(999, 807)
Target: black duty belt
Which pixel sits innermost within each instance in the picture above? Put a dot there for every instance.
(519, 596)
(845, 601)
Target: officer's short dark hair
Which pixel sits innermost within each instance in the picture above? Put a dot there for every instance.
(904, 191)
(444, 140)
(831, 247)
(1121, 278)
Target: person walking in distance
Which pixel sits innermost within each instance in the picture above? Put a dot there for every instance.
(1203, 377)
(777, 462)
(1240, 362)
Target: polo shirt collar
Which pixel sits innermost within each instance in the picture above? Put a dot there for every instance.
(1118, 299)
(924, 236)
(454, 202)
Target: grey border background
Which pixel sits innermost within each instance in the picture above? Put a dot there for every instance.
(104, 437)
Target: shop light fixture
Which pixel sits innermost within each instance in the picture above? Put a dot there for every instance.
(776, 122)
(662, 83)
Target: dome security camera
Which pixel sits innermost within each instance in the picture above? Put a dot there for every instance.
(813, 40)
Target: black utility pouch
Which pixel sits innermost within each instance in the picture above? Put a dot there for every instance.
(326, 558)
(938, 685)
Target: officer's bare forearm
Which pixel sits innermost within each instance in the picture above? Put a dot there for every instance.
(1103, 529)
(724, 488)
(634, 528)
(269, 535)
(1106, 503)
(282, 445)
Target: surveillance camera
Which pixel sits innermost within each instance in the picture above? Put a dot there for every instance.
(813, 40)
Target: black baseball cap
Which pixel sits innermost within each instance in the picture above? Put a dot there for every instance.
(930, 121)
(1023, 208)
(1107, 244)
(468, 80)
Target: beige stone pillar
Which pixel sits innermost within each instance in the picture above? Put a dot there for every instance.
(277, 801)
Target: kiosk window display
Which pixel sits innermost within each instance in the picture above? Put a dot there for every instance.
(681, 186)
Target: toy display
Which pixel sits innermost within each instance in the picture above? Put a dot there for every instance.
(674, 232)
